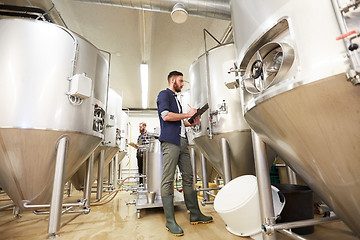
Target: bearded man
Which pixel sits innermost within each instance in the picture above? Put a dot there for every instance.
(175, 152)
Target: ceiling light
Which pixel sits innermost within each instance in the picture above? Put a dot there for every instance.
(144, 74)
(179, 13)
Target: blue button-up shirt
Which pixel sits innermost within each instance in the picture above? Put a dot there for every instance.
(170, 130)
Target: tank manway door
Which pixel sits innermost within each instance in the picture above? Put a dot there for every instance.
(268, 66)
(99, 119)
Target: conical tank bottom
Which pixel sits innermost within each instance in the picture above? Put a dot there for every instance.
(241, 154)
(315, 128)
(78, 178)
(27, 161)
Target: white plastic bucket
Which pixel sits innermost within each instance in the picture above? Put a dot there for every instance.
(238, 205)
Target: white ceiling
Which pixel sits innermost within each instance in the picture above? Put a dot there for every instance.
(166, 46)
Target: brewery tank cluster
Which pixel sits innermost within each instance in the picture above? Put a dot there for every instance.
(104, 154)
(284, 88)
(56, 83)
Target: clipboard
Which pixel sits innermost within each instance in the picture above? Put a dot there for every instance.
(199, 112)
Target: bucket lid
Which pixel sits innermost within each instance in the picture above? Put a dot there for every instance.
(236, 193)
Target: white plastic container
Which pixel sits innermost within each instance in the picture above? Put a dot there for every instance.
(238, 205)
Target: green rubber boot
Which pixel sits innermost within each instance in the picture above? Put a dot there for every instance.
(171, 225)
(192, 205)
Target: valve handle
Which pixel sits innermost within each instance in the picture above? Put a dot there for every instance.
(256, 69)
(342, 36)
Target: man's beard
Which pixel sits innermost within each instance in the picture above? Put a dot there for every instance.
(177, 87)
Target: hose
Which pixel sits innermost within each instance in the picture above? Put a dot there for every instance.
(112, 194)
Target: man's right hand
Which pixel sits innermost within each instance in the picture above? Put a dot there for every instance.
(192, 112)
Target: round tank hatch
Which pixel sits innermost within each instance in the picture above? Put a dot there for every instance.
(268, 66)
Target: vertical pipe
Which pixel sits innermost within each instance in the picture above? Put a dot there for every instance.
(193, 164)
(116, 169)
(58, 187)
(88, 179)
(291, 175)
(263, 180)
(225, 151)
(205, 183)
(208, 91)
(100, 175)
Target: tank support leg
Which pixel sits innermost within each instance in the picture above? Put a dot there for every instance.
(263, 180)
(116, 170)
(225, 151)
(193, 164)
(58, 188)
(88, 178)
(205, 181)
(291, 175)
(111, 173)
(100, 175)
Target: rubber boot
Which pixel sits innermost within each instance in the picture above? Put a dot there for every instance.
(171, 225)
(192, 204)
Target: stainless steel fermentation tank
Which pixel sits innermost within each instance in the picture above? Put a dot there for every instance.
(297, 96)
(227, 133)
(110, 145)
(53, 85)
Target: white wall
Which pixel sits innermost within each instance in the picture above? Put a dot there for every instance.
(129, 163)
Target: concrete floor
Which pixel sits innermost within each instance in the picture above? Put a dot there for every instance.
(116, 220)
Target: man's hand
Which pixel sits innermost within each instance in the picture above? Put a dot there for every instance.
(191, 112)
(196, 121)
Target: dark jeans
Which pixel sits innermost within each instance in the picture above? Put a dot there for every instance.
(140, 163)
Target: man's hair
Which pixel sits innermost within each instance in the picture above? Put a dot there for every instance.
(174, 74)
(142, 123)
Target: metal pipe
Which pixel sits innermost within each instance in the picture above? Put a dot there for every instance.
(291, 234)
(193, 164)
(58, 187)
(204, 175)
(225, 151)
(263, 181)
(7, 206)
(227, 34)
(218, 9)
(270, 229)
(291, 175)
(208, 85)
(207, 189)
(204, 202)
(78, 204)
(210, 194)
(354, 63)
(68, 210)
(88, 179)
(100, 175)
